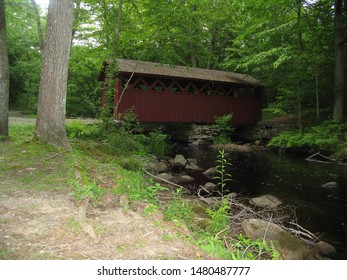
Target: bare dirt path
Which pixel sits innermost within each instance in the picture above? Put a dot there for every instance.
(49, 225)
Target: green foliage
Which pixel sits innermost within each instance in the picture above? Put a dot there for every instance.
(329, 136)
(247, 249)
(152, 192)
(129, 163)
(284, 50)
(158, 144)
(83, 93)
(178, 210)
(89, 190)
(79, 129)
(283, 47)
(129, 121)
(219, 219)
(272, 111)
(138, 188)
(275, 255)
(222, 125)
(24, 56)
(151, 208)
(222, 173)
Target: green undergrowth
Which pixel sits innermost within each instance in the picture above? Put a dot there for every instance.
(121, 139)
(329, 136)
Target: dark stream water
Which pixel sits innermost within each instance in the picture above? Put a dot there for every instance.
(295, 181)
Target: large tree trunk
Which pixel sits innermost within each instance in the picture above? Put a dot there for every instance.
(50, 124)
(4, 73)
(339, 62)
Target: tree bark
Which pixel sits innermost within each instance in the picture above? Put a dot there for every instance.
(339, 62)
(4, 73)
(50, 124)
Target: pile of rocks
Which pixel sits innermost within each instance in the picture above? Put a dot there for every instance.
(176, 170)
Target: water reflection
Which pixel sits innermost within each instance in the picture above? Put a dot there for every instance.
(295, 181)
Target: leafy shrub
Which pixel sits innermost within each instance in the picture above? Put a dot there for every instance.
(178, 209)
(271, 112)
(219, 219)
(157, 144)
(222, 125)
(129, 120)
(78, 129)
(90, 190)
(329, 136)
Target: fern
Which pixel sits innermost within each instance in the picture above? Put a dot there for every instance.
(275, 255)
(329, 136)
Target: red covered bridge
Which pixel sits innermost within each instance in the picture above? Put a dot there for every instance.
(165, 93)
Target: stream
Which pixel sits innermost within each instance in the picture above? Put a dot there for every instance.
(292, 179)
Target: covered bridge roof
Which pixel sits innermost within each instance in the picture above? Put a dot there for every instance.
(150, 68)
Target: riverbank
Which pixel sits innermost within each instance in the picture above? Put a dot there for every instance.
(92, 201)
(98, 177)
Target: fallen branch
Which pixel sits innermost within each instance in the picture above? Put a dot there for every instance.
(318, 154)
(163, 180)
(304, 232)
(55, 155)
(281, 216)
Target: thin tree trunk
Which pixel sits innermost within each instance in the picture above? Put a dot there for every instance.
(300, 39)
(50, 124)
(317, 98)
(191, 42)
(38, 22)
(299, 107)
(339, 62)
(211, 60)
(4, 73)
(111, 71)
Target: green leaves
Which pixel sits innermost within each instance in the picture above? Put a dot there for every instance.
(329, 136)
(224, 128)
(222, 170)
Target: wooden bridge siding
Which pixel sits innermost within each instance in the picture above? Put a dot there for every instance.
(175, 107)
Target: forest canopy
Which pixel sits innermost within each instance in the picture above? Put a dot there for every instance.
(290, 46)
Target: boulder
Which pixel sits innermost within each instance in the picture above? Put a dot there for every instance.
(210, 187)
(211, 172)
(179, 161)
(266, 201)
(184, 179)
(233, 195)
(201, 142)
(192, 165)
(325, 249)
(285, 243)
(330, 185)
(161, 167)
(167, 177)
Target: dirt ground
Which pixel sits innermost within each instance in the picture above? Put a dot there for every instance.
(50, 225)
(41, 224)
